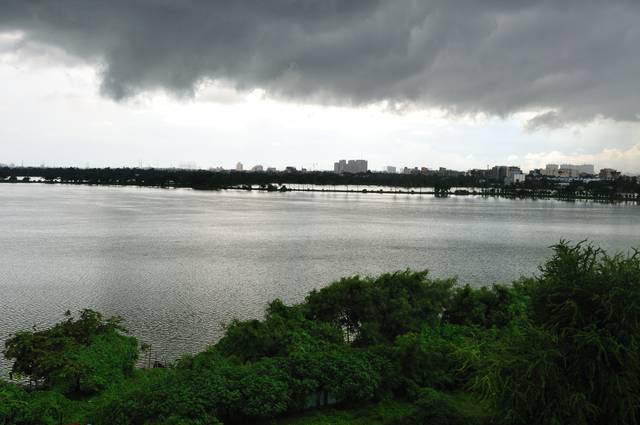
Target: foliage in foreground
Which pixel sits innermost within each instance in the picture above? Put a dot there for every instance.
(558, 348)
(576, 359)
(385, 412)
(76, 356)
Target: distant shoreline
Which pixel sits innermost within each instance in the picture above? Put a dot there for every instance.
(483, 192)
(623, 188)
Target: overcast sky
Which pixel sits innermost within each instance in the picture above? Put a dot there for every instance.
(459, 84)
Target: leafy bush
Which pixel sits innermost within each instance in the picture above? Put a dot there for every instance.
(385, 412)
(437, 408)
(348, 374)
(20, 407)
(75, 356)
(577, 360)
(227, 391)
(108, 358)
(154, 396)
(377, 310)
(442, 357)
(284, 330)
(494, 306)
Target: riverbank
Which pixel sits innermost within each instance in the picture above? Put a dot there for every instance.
(492, 192)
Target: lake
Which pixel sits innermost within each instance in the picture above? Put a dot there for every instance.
(176, 264)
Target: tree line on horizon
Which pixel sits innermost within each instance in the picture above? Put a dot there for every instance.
(561, 347)
(205, 179)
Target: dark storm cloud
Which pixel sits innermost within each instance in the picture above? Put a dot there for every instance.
(573, 60)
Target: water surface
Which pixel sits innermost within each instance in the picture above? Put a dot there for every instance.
(178, 263)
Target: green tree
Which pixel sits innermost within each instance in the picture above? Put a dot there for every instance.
(376, 310)
(78, 355)
(284, 330)
(442, 357)
(497, 306)
(21, 407)
(441, 188)
(577, 360)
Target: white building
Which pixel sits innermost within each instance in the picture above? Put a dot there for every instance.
(239, 166)
(391, 169)
(257, 168)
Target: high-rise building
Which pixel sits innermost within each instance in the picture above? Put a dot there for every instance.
(352, 166)
(511, 170)
(257, 168)
(500, 172)
(568, 172)
(340, 166)
(239, 166)
(391, 169)
(579, 168)
(357, 166)
(551, 170)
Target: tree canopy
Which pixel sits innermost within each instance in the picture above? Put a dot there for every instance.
(78, 355)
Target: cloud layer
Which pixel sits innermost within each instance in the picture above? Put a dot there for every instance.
(571, 60)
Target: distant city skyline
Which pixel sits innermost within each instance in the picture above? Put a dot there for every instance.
(500, 172)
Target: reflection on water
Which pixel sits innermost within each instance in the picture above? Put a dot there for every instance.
(178, 263)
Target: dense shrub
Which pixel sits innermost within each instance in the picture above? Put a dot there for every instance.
(348, 375)
(79, 356)
(442, 357)
(494, 306)
(160, 396)
(434, 407)
(21, 407)
(377, 310)
(577, 360)
(284, 330)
